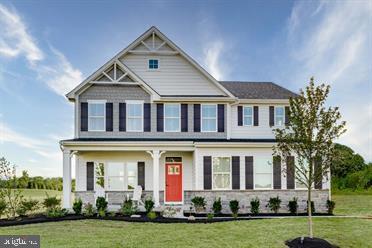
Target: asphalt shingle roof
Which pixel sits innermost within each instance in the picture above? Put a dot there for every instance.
(257, 90)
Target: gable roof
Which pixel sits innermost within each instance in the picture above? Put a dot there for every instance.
(257, 90)
(153, 30)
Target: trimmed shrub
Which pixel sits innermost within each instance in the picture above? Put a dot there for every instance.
(56, 212)
(199, 203)
(3, 207)
(293, 206)
(51, 202)
(27, 207)
(77, 206)
(152, 215)
(274, 204)
(101, 213)
(128, 208)
(255, 206)
(330, 206)
(149, 205)
(312, 207)
(234, 207)
(101, 204)
(88, 210)
(217, 206)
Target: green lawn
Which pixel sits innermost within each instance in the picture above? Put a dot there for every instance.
(344, 232)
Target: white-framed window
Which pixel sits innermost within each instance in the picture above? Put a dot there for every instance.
(115, 176)
(96, 115)
(279, 115)
(134, 116)
(99, 172)
(153, 64)
(221, 173)
(209, 118)
(131, 175)
(172, 117)
(263, 173)
(248, 116)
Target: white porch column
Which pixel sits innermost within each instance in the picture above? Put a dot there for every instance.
(67, 179)
(155, 164)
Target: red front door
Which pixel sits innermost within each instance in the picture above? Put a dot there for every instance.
(173, 182)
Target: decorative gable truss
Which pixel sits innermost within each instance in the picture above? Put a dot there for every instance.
(153, 44)
(114, 74)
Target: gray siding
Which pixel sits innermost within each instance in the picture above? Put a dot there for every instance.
(116, 94)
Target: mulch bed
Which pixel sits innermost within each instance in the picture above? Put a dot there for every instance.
(258, 215)
(143, 218)
(307, 242)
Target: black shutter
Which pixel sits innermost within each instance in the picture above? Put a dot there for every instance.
(318, 174)
(240, 115)
(84, 116)
(90, 176)
(122, 117)
(271, 116)
(207, 172)
(286, 121)
(141, 174)
(255, 116)
(147, 117)
(277, 171)
(160, 117)
(221, 118)
(290, 173)
(109, 117)
(249, 172)
(196, 117)
(235, 169)
(184, 117)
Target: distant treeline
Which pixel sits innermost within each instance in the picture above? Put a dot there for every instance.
(349, 170)
(27, 182)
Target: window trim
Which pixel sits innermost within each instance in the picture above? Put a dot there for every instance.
(128, 102)
(276, 107)
(230, 188)
(104, 115)
(125, 166)
(148, 64)
(252, 116)
(254, 175)
(209, 118)
(179, 117)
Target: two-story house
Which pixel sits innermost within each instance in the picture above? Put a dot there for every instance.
(152, 116)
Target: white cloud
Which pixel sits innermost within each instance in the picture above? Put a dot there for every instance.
(212, 59)
(52, 67)
(331, 41)
(15, 39)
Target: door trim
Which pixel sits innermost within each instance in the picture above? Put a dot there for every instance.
(165, 185)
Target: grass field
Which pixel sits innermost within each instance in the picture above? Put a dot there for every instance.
(40, 194)
(344, 232)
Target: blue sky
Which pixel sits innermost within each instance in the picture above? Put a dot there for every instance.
(47, 47)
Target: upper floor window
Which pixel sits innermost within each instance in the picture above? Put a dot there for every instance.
(209, 117)
(96, 115)
(153, 64)
(172, 117)
(248, 116)
(221, 173)
(279, 116)
(134, 116)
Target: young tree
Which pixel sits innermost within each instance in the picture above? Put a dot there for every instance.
(310, 135)
(23, 180)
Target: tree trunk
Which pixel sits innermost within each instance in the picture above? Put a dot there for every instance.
(310, 220)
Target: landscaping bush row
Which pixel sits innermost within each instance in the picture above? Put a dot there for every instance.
(273, 205)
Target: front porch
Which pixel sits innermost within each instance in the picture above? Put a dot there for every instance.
(116, 170)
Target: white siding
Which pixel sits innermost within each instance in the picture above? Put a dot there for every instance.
(262, 131)
(175, 75)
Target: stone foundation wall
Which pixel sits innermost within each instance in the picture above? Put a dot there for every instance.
(245, 196)
(116, 198)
